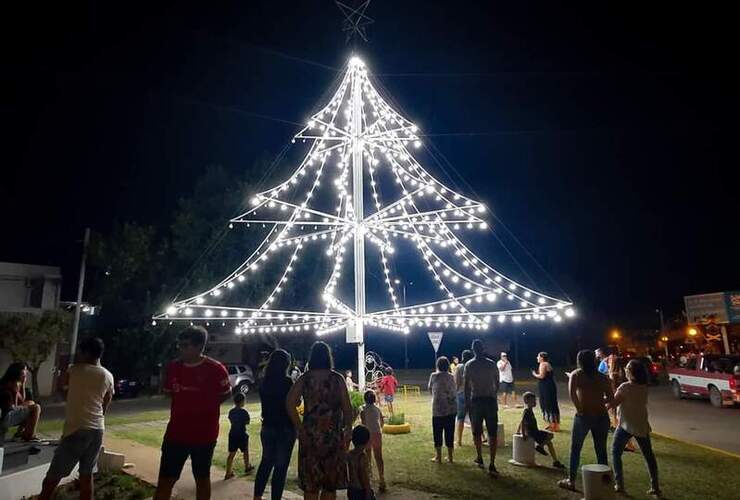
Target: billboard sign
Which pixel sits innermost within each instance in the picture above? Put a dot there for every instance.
(732, 301)
(706, 307)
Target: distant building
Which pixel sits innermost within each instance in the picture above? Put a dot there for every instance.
(27, 288)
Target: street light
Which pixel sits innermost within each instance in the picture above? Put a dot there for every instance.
(616, 335)
(692, 332)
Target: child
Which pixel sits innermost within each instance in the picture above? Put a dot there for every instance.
(238, 437)
(528, 428)
(372, 418)
(388, 385)
(351, 386)
(359, 466)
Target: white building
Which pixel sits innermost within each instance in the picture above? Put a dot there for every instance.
(26, 288)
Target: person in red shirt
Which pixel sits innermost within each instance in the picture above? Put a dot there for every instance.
(388, 386)
(197, 386)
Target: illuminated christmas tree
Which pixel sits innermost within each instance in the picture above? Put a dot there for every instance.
(358, 145)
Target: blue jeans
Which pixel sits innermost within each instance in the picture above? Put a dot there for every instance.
(582, 425)
(277, 447)
(621, 437)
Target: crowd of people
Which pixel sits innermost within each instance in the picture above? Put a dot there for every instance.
(314, 409)
(597, 388)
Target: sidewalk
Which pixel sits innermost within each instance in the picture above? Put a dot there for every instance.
(146, 467)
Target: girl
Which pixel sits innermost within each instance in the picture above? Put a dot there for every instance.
(372, 418)
(630, 401)
(277, 435)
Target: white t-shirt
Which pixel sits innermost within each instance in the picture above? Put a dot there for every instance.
(632, 412)
(88, 385)
(504, 371)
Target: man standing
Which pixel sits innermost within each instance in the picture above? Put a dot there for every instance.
(601, 359)
(197, 385)
(89, 392)
(481, 386)
(506, 376)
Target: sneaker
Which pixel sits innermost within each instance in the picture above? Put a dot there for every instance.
(558, 465)
(619, 488)
(249, 469)
(540, 450)
(492, 471)
(228, 476)
(479, 462)
(655, 492)
(567, 484)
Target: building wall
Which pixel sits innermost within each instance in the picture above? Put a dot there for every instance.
(27, 288)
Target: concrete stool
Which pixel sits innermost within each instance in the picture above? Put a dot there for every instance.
(500, 436)
(598, 482)
(522, 451)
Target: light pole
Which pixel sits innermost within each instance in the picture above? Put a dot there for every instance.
(78, 305)
(663, 336)
(406, 335)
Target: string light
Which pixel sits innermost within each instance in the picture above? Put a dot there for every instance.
(423, 212)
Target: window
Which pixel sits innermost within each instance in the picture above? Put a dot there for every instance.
(232, 370)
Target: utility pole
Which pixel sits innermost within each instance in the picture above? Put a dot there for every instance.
(662, 332)
(78, 305)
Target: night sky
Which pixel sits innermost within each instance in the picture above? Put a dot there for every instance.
(603, 137)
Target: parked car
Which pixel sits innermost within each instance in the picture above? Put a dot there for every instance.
(127, 388)
(712, 376)
(241, 378)
(653, 369)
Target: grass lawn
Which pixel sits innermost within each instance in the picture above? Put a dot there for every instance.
(118, 486)
(687, 472)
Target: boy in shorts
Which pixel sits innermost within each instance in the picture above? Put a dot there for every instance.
(388, 385)
(528, 429)
(89, 392)
(238, 437)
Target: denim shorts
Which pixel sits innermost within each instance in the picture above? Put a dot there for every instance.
(461, 406)
(16, 416)
(83, 447)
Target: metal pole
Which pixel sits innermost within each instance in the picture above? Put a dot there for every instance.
(80, 286)
(405, 338)
(662, 331)
(359, 235)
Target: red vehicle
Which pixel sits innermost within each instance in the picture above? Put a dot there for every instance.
(712, 376)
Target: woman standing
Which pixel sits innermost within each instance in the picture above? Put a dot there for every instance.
(278, 434)
(459, 374)
(590, 391)
(630, 401)
(548, 392)
(444, 408)
(15, 409)
(326, 429)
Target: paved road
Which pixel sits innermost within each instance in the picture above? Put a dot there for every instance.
(695, 421)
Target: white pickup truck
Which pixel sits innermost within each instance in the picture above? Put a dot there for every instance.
(712, 376)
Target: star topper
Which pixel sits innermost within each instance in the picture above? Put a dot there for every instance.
(355, 19)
